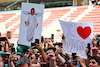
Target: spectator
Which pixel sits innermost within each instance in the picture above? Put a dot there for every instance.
(94, 61)
(99, 53)
(34, 58)
(23, 62)
(8, 35)
(26, 53)
(51, 56)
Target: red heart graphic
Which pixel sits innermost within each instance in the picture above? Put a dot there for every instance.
(84, 32)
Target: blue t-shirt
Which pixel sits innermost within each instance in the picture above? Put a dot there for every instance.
(77, 62)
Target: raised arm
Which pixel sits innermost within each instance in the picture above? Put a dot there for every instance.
(42, 52)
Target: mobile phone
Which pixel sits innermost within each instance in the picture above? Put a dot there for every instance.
(88, 46)
(52, 36)
(3, 56)
(12, 44)
(99, 43)
(0, 47)
(7, 55)
(3, 39)
(60, 44)
(55, 44)
(37, 41)
(12, 50)
(33, 44)
(73, 54)
(93, 2)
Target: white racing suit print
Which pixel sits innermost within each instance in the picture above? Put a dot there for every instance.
(31, 25)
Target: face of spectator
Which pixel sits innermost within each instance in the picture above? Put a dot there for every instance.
(8, 35)
(50, 53)
(18, 56)
(99, 53)
(32, 12)
(15, 58)
(93, 63)
(33, 59)
(1, 63)
(26, 54)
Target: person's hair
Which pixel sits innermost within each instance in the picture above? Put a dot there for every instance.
(25, 50)
(33, 9)
(8, 31)
(23, 61)
(96, 58)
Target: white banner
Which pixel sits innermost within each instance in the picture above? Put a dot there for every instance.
(77, 36)
(31, 23)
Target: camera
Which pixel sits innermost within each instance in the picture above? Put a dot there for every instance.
(55, 44)
(88, 46)
(3, 39)
(37, 41)
(12, 49)
(59, 44)
(74, 56)
(34, 44)
(0, 47)
(12, 44)
(4, 56)
(52, 36)
(7, 55)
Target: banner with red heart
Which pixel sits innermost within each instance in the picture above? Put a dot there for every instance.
(84, 32)
(77, 36)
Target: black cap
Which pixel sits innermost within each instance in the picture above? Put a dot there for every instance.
(54, 49)
(25, 50)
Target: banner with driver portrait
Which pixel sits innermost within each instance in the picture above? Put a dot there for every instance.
(77, 36)
(31, 23)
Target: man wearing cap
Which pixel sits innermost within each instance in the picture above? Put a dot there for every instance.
(51, 56)
(26, 53)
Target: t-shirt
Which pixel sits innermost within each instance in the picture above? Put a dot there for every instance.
(77, 62)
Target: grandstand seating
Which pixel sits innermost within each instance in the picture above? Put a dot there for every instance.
(77, 12)
(54, 15)
(5, 0)
(93, 16)
(17, 18)
(5, 16)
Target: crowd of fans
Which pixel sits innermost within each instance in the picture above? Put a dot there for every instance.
(46, 54)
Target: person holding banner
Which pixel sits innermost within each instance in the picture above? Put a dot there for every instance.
(31, 24)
